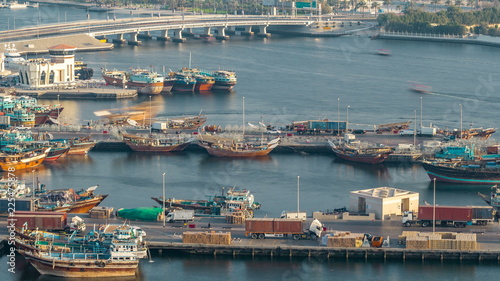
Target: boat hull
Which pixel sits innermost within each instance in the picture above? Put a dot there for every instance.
(183, 87)
(81, 148)
(24, 164)
(238, 153)
(151, 148)
(81, 267)
(142, 88)
(81, 207)
(362, 158)
(56, 154)
(462, 176)
(201, 86)
(223, 86)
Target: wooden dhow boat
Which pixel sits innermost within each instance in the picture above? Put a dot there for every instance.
(69, 200)
(229, 147)
(17, 159)
(374, 155)
(156, 143)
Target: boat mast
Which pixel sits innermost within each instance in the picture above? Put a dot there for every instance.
(243, 117)
(298, 195)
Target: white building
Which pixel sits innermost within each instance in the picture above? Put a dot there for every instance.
(384, 201)
(44, 73)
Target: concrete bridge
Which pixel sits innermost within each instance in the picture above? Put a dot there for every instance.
(136, 28)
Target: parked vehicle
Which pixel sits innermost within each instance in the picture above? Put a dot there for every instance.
(449, 215)
(263, 227)
(293, 215)
(180, 215)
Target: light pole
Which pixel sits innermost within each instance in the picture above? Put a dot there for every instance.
(33, 172)
(434, 209)
(150, 116)
(58, 108)
(460, 121)
(298, 195)
(243, 117)
(415, 130)
(420, 113)
(347, 120)
(163, 175)
(338, 117)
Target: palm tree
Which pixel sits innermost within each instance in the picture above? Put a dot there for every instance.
(398, 7)
(448, 2)
(458, 3)
(375, 6)
(387, 3)
(362, 5)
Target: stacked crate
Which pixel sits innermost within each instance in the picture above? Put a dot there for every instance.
(214, 238)
(465, 241)
(345, 239)
(402, 238)
(101, 212)
(439, 240)
(236, 218)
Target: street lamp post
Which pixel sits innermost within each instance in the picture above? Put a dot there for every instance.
(421, 113)
(415, 130)
(298, 195)
(33, 183)
(150, 116)
(460, 121)
(338, 117)
(58, 108)
(434, 209)
(163, 175)
(347, 120)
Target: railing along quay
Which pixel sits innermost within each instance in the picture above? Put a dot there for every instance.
(326, 252)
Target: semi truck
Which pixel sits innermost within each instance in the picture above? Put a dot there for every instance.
(271, 227)
(49, 221)
(180, 215)
(456, 216)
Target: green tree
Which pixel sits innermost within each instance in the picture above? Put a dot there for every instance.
(458, 3)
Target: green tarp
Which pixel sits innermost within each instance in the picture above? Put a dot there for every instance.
(145, 214)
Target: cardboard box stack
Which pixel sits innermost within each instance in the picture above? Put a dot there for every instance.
(215, 238)
(101, 212)
(236, 218)
(439, 240)
(345, 239)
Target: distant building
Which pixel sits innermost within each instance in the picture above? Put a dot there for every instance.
(383, 201)
(45, 73)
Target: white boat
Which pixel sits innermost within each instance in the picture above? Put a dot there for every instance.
(16, 5)
(33, 5)
(12, 58)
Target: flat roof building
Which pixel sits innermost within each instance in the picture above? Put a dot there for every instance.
(383, 201)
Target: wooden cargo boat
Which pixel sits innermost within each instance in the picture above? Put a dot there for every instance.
(155, 144)
(227, 147)
(69, 200)
(366, 155)
(13, 161)
(468, 172)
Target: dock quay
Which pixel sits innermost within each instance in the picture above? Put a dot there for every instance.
(325, 252)
(80, 93)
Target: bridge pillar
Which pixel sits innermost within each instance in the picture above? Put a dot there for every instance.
(248, 31)
(119, 39)
(163, 36)
(230, 30)
(188, 32)
(178, 36)
(221, 33)
(206, 31)
(133, 39)
(263, 31)
(145, 35)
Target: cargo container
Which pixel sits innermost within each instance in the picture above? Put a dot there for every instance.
(180, 215)
(21, 204)
(41, 220)
(456, 216)
(48, 221)
(159, 127)
(293, 215)
(261, 228)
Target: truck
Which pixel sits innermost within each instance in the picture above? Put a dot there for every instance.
(456, 216)
(271, 227)
(427, 131)
(180, 215)
(49, 221)
(293, 215)
(159, 127)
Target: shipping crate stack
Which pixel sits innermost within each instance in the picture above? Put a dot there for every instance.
(236, 218)
(439, 240)
(101, 212)
(214, 238)
(345, 239)
(402, 238)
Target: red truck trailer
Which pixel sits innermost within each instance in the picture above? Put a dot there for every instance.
(260, 228)
(48, 221)
(456, 216)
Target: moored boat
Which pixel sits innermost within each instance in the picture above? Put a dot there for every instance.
(419, 88)
(466, 172)
(69, 200)
(155, 144)
(361, 155)
(57, 152)
(203, 82)
(78, 146)
(144, 81)
(224, 80)
(228, 147)
(18, 159)
(183, 83)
